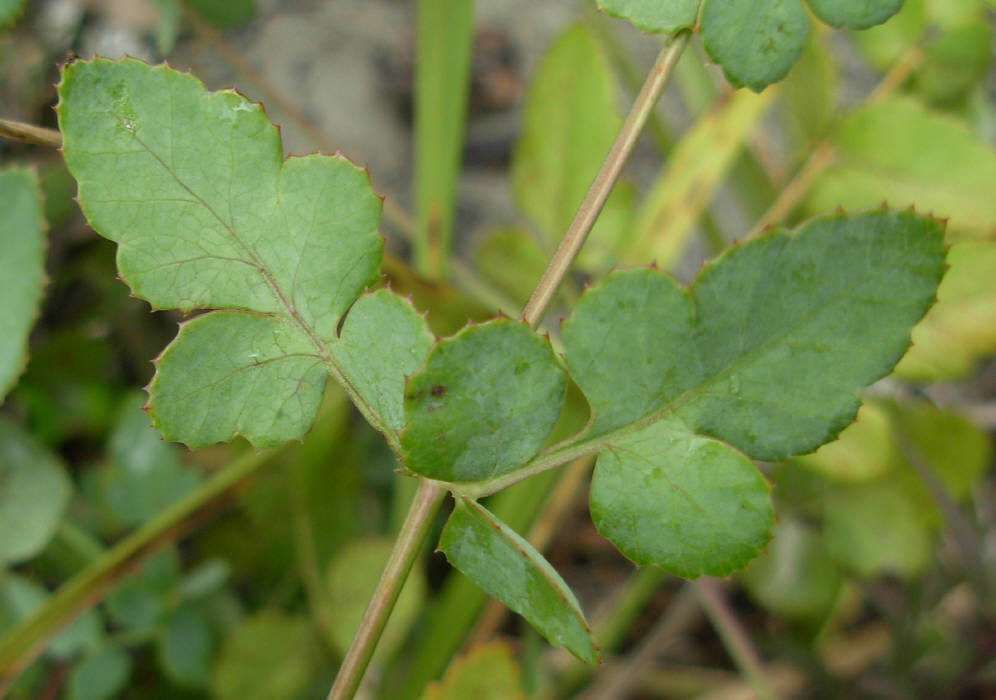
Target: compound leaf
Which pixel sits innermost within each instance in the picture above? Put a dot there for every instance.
(22, 229)
(206, 214)
(485, 402)
(755, 42)
(856, 14)
(654, 15)
(505, 565)
(766, 352)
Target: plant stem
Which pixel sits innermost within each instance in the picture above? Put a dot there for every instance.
(590, 207)
(20, 131)
(23, 643)
(406, 548)
(734, 637)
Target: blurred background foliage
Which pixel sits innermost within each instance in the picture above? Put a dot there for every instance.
(226, 574)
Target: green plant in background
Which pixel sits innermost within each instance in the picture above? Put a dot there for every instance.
(675, 390)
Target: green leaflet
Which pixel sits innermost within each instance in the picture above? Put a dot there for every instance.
(192, 187)
(34, 493)
(666, 496)
(654, 15)
(569, 122)
(383, 341)
(505, 565)
(755, 42)
(22, 273)
(485, 402)
(901, 153)
(766, 352)
(856, 14)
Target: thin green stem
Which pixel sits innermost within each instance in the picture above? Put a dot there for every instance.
(406, 548)
(590, 207)
(23, 643)
(738, 644)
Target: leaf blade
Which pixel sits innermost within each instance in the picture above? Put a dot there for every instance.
(505, 565)
(692, 505)
(756, 43)
(484, 403)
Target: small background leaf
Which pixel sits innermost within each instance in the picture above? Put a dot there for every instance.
(350, 581)
(270, 656)
(22, 229)
(505, 565)
(34, 493)
(899, 152)
(100, 675)
(795, 576)
(487, 672)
